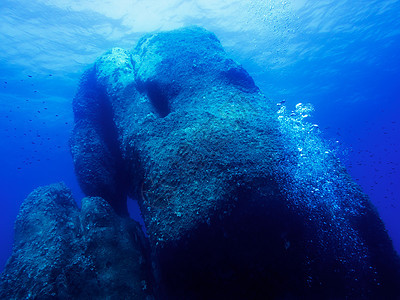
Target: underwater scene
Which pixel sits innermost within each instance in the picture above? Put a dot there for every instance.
(197, 149)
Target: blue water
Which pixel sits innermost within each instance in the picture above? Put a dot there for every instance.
(341, 56)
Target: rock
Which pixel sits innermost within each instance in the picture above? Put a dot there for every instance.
(94, 143)
(61, 252)
(239, 201)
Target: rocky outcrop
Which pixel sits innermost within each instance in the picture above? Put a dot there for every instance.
(62, 252)
(240, 200)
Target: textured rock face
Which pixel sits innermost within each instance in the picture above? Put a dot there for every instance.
(240, 201)
(192, 129)
(61, 252)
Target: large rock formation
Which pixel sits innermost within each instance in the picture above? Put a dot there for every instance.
(62, 252)
(240, 200)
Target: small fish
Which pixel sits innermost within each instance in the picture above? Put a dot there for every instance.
(281, 103)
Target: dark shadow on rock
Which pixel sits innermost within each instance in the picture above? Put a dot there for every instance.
(94, 145)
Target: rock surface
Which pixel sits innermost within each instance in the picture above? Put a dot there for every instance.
(238, 200)
(61, 252)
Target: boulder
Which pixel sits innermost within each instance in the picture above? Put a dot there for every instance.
(62, 252)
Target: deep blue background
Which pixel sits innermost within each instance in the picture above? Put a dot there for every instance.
(341, 56)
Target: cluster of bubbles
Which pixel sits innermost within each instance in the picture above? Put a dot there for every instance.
(311, 165)
(303, 140)
(317, 184)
